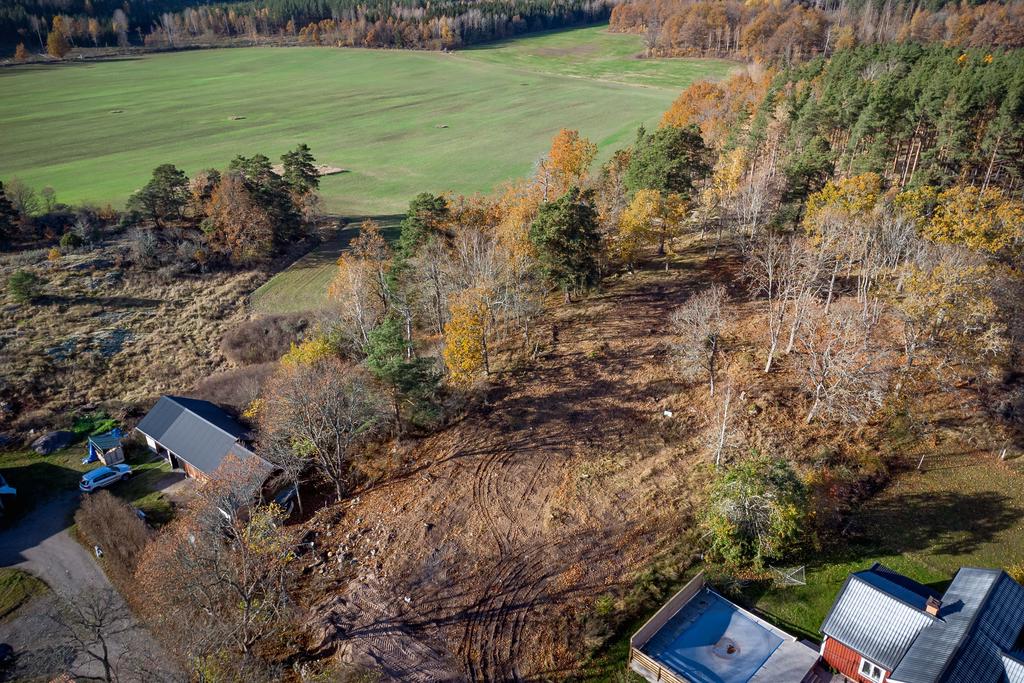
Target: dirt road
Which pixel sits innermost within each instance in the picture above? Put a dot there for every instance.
(479, 563)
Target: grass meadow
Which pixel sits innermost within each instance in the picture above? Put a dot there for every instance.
(398, 122)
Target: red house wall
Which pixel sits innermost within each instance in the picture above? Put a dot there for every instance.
(845, 660)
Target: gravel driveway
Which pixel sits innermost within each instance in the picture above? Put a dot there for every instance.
(41, 544)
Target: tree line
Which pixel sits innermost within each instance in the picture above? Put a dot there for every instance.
(794, 31)
(40, 27)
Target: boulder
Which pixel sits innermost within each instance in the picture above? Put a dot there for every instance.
(52, 441)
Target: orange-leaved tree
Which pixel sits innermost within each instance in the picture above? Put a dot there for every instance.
(568, 162)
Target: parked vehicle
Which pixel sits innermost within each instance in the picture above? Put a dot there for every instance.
(102, 477)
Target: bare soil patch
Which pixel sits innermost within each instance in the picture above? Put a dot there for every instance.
(480, 559)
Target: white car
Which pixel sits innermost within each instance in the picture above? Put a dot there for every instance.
(103, 476)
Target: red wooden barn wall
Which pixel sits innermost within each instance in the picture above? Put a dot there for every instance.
(845, 660)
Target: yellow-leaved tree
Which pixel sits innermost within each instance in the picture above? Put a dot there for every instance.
(650, 218)
(465, 337)
(856, 197)
(988, 221)
(567, 163)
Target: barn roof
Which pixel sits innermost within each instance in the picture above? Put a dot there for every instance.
(196, 431)
(878, 615)
(976, 636)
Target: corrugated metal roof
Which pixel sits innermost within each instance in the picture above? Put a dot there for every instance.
(877, 617)
(880, 614)
(1014, 669)
(197, 431)
(993, 630)
(105, 441)
(938, 645)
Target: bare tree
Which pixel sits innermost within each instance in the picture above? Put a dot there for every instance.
(698, 325)
(722, 425)
(768, 272)
(839, 369)
(751, 202)
(96, 625)
(216, 584)
(323, 411)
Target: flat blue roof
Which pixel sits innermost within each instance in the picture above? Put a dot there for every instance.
(710, 640)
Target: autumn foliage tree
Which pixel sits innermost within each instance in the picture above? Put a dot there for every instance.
(360, 289)
(568, 162)
(57, 44)
(216, 585)
(236, 224)
(650, 219)
(465, 338)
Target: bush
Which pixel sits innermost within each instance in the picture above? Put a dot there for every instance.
(108, 522)
(24, 285)
(235, 388)
(265, 339)
(756, 511)
(70, 240)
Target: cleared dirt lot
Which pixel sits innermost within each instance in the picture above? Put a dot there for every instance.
(518, 518)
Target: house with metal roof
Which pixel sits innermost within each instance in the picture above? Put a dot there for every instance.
(193, 435)
(887, 628)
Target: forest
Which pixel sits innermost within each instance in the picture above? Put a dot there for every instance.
(176, 24)
(789, 31)
(795, 31)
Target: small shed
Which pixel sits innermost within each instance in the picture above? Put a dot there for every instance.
(107, 447)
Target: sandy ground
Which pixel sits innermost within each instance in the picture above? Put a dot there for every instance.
(515, 520)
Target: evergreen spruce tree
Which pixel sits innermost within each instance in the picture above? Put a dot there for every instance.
(566, 236)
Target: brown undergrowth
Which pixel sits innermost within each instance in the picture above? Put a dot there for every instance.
(481, 555)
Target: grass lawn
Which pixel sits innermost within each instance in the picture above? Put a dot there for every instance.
(39, 477)
(303, 285)
(964, 509)
(141, 489)
(16, 589)
(399, 122)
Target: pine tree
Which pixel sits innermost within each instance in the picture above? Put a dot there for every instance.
(411, 382)
(670, 160)
(426, 216)
(300, 172)
(164, 196)
(567, 240)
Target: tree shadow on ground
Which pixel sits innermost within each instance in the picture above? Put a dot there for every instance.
(944, 522)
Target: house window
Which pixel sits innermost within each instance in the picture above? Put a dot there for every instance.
(871, 671)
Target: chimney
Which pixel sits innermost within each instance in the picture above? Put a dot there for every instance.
(932, 606)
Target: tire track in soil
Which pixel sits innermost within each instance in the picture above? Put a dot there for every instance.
(576, 403)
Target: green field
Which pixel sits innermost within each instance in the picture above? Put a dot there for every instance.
(594, 53)
(94, 131)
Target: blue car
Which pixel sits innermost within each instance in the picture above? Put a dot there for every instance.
(102, 477)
